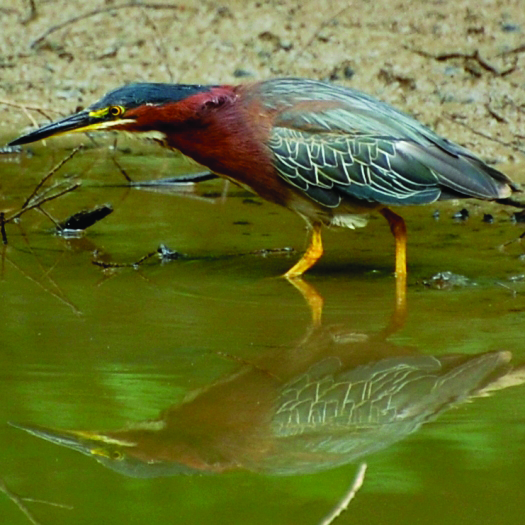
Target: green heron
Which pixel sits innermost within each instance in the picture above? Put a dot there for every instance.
(329, 153)
(279, 419)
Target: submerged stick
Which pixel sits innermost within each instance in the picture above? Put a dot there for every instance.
(2, 227)
(348, 497)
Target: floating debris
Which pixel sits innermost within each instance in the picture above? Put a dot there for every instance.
(461, 215)
(447, 281)
(265, 252)
(82, 220)
(166, 254)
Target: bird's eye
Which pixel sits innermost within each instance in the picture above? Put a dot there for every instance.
(116, 454)
(116, 111)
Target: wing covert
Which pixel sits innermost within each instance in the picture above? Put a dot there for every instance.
(329, 166)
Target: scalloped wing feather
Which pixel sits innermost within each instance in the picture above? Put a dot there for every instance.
(345, 142)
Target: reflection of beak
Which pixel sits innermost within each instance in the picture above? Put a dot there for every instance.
(84, 442)
(79, 122)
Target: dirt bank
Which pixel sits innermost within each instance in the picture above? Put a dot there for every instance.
(458, 66)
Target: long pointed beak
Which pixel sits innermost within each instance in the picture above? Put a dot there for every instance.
(77, 122)
(77, 440)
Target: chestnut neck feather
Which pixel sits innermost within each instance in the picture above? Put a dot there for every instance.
(226, 131)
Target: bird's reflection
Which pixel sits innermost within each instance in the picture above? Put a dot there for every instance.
(331, 399)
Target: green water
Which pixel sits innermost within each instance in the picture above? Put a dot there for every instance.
(94, 349)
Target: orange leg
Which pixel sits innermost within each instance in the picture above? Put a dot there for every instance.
(314, 300)
(399, 230)
(311, 256)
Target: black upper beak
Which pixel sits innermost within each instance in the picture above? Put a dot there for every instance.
(64, 438)
(72, 123)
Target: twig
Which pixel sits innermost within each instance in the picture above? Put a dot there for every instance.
(46, 274)
(495, 115)
(2, 227)
(95, 12)
(17, 500)
(25, 107)
(63, 300)
(323, 24)
(32, 13)
(515, 51)
(195, 58)
(484, 135)
(161, 49)
(105, 265)
(475, 55)
(50, 174)
(512, 241)
(121, 169)
(511, 290)
(47, 191)
(42, 201)
(50, 217)
(348, 497)
(50, 503)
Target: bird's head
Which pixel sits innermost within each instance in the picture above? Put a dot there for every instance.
(144, 108)
(118, 451)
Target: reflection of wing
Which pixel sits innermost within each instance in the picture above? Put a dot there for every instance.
(328, 416)
(339, 142)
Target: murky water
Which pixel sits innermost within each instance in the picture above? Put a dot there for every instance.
(205, 392)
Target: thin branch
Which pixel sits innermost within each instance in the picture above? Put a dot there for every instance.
(323, 24)
(515, 51)
(32, 13)
(122, 170)
(484, 135)
(51, 173)
(159, 45)
(95, 12)
(56, 295)
(42, 201)
(50, 503)
(106, 265)
(494, 114)
(348, 497)
(2, 227)
(50, 217)
(46, 274)
(17, 500)
(25, 107)
(475, 55)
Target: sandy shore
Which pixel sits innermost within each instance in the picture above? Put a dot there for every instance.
(457, 66)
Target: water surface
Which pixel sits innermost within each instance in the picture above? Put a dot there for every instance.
(85, 348)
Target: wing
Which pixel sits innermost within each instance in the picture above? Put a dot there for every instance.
(328, 167)
(333, 142)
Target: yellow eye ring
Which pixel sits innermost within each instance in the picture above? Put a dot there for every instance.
(116, 111)
(116, 455)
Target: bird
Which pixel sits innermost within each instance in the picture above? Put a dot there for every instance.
(286, 417)
(331, 154)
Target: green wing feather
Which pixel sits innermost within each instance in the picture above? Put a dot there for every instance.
(333, 142)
